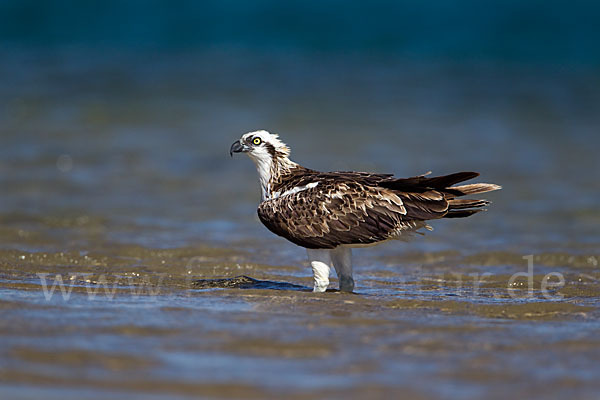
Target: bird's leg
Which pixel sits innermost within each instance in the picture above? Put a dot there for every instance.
(342, 262)
(320, 260)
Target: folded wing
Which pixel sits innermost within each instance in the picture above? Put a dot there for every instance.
(345, 211)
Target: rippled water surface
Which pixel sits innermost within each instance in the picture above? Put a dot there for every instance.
(116, 186)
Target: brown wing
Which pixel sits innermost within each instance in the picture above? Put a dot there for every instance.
(339, 211)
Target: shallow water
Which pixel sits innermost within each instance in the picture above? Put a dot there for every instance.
(116, 181)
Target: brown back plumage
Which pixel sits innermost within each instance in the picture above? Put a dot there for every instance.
(324, 210)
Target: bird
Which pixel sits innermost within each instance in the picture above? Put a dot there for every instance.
(330, 213)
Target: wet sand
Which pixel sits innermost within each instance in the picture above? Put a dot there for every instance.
(204, 322)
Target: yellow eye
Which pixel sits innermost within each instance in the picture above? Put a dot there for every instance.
(256, 141)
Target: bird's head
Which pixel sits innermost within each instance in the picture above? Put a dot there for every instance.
(261, 147)
(268, 153)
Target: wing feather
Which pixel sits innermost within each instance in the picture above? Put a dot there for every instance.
(362, 208)
(346, 212)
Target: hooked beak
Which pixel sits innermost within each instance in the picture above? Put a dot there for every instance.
(237, 147)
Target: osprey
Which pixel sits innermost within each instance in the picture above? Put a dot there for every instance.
(328, 213)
